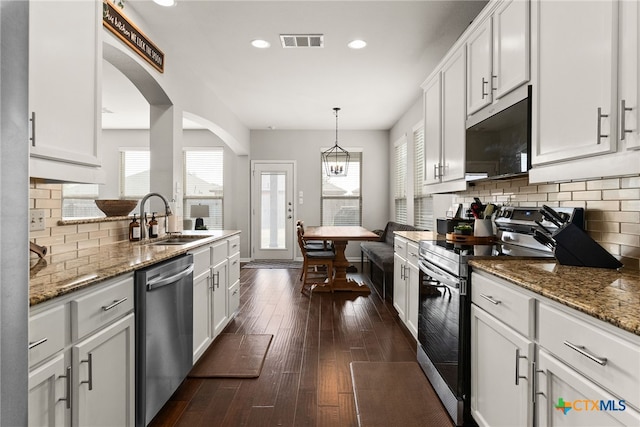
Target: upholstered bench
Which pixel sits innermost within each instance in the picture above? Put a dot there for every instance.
(380, 255)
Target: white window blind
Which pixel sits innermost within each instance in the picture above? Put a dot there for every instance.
(204, 184)
(134, 174)
(400, 187)
(78, 201)
(341, 199)
(422, 202)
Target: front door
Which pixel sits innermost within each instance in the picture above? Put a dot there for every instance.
(272, 210)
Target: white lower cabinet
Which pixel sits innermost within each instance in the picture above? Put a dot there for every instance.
(104, 376)
(202, 334)
(49, 393)
(578, 371)
(82, 358)
(406, 277)
(566, 398)
(219, 303)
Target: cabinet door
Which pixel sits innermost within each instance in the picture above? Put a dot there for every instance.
(233, 298)
(48, 393)
(413, 297)
(432, 130)
(511, 52)
(573, 104)
(500, 377)
(628, 88)
(479, 67)
(399, 287)
(453, 116)
(565, 398)
(103, 375)
(65, 63)
(219, 298)
(202, 306)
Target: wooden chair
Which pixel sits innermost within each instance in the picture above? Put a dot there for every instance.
(314, 245)
(313, 276)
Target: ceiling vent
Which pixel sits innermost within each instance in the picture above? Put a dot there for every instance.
(301, 40)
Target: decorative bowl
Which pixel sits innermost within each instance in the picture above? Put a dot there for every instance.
(116, 207)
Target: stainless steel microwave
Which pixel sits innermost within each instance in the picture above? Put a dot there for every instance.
(499, 146)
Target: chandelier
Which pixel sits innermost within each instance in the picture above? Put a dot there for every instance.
(336, 159)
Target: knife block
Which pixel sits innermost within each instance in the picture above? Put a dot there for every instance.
(575, 247)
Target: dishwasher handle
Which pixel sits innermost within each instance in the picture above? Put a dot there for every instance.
(161, 281)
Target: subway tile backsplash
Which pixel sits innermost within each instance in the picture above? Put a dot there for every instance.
(612, 207)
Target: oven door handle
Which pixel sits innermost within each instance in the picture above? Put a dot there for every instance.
(439, 275)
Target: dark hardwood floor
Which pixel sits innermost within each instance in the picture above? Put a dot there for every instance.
(306, 378)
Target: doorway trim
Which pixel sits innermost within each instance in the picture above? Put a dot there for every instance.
(254, 229)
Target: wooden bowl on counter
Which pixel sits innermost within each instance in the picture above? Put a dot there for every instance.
(116, 207)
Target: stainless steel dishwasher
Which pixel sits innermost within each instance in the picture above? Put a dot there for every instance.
(164, 333)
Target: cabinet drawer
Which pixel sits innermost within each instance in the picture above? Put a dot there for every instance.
(597, 353)
(508, 305)
(412, 253)
(46, 334)
(201, 260)
(400, 247)
(234, 245)
(234, 298)
(101, 307)
(219, 252)
(234, 268)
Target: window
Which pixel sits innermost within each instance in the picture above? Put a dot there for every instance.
(400, 187)
(422, 202)
(341, 198)
(134, 174)
(203, 184)
(78, 201)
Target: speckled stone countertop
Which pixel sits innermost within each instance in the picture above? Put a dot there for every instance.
(48, 280)
(609, 295)
(416, 236)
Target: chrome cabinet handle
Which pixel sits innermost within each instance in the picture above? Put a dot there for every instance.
(583, 351)
(67, 398)
(493, 87)
(216, 282)
(490, 299)
(37, 343)
(518, 376)
(623, 110)
(32, 119)
(484, 83)
(435, 171)
(89, 362)
(599, 127)
(115, 303)
(534, 383)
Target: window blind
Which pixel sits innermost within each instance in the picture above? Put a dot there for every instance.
(78, 201)
(341, 199)
(204, 184)
(422, 202)
(400, 182)
(134, 173)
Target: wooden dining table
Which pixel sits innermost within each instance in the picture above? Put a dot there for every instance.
(340, 236)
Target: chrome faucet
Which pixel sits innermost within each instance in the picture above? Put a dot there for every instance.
(167, 212)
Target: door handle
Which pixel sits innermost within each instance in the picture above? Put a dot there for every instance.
(67, 398)
(89, 362)
(166, 280)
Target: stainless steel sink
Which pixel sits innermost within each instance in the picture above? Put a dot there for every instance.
(181, 240)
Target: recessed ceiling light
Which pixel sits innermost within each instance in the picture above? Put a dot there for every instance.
(357, 44)
(260, 44)
(165, 3)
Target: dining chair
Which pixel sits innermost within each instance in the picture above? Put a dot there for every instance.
(312, 275)
(314, 245)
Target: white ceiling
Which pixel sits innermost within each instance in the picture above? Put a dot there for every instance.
(298, 88)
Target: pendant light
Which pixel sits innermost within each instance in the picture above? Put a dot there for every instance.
(336, 159)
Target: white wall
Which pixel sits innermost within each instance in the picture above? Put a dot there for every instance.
(305, 146)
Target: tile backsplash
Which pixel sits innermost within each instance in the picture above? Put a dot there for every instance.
(612, 207)
(612, 213)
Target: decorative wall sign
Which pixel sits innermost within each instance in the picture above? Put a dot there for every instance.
(126, 31)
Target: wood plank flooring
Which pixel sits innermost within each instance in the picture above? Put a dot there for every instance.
(306, 379)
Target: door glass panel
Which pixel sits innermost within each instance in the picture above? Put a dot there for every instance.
(273, 215)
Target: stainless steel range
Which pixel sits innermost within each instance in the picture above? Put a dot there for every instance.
(445, 296)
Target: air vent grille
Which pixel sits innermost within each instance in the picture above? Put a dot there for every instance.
(289, 41)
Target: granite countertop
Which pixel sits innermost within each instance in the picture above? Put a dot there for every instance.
(609, 295)
(48, 280)
(416, 236)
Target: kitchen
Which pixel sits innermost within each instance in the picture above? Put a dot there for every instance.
(613, 196)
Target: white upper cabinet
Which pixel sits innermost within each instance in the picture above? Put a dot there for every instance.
(511, 46)
(628, 88)
(574, 108)
(479, 52)
(65, 63)
(498, 54)
(445, 114)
